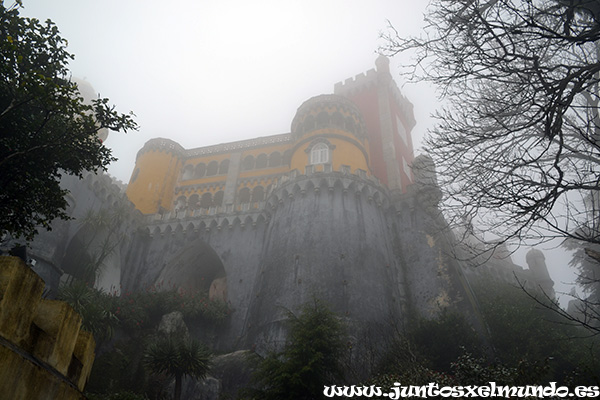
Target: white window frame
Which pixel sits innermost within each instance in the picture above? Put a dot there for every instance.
(319, 154)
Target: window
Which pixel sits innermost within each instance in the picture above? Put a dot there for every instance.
(244, 195)
(212, 169)
(224, 167)
(188, 172)
(319, 154)
(258, 194)
(200, 170)
(218, 199)
(206, 200)
(261, 161)
(194, 202)
(275, 159)
(248, 163)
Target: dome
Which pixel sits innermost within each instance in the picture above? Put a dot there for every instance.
(328, 111)
(86, 90)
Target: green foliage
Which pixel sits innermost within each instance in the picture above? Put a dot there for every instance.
(469, 370)
(443, 340)
(177, 358)
(143, 309)
(310, 359)
(530, 344)
(138, 311)
(95, 308)
(523, 332)
(136, 316)
(46, 129)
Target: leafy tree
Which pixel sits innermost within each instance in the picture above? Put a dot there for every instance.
(177, 358)
(95, 308)
(310, 360)
(46, 129)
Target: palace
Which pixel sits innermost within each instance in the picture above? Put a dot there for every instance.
(338, 208)
(363, 128)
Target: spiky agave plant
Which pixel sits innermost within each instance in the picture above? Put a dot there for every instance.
(177, 358)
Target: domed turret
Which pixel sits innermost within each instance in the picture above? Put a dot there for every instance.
(89, 94)
(330, 135)
(152, 183)
(328, 111)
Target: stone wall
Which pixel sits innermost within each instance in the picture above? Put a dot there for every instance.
(44, 354)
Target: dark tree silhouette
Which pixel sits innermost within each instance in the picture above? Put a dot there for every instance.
(516, 144)
(311, 357)
(46, 128)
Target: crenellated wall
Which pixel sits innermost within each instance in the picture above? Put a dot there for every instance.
(373, 256)
(43, 352)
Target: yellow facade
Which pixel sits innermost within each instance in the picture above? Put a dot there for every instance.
(155, 175)
(347, 150)
(328, 135)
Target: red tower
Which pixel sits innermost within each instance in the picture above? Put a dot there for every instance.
(389, 120)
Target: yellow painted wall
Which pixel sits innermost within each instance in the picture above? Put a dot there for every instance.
(160, 178)
(38, 334)
(346, 151)
(155, 182)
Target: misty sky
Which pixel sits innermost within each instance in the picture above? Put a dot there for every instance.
(208, 72)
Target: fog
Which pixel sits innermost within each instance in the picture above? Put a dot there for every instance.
(203, 73)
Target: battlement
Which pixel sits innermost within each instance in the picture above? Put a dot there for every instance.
(357, 83)
(373, 77)
(163, 145)
(286, 187)
(43, 352)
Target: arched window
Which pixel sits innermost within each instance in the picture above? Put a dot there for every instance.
(261, 161)
(258, 194)
(193, 202)
(248, 163)
(200, 170)
(275, 159)
(244, 195)
(224, 167)
(218, 198)
(188, 172)
(206, 200)
(212, 168)
(181, 203)
(319, 154)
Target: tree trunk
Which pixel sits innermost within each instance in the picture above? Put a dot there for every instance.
(177, 395)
